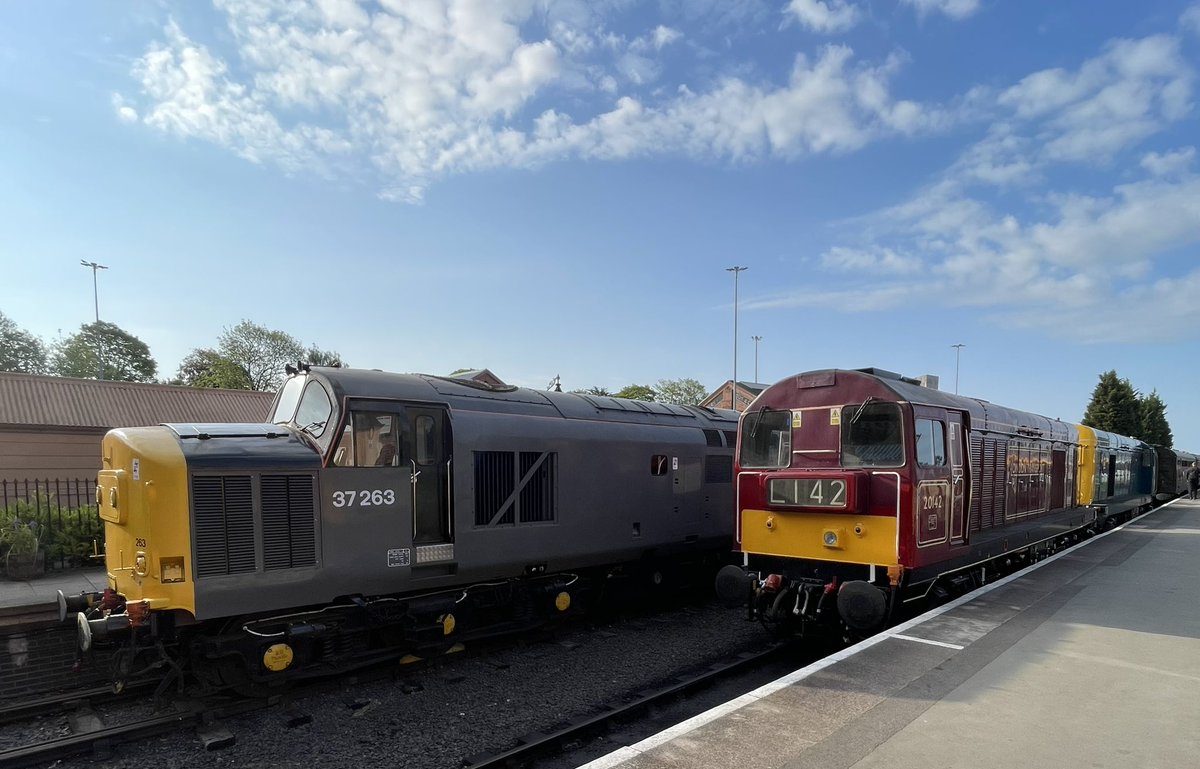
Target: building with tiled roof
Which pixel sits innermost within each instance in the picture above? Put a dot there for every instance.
(722, 397)
(51, 427)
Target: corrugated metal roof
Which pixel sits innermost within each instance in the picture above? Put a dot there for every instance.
(26, 399)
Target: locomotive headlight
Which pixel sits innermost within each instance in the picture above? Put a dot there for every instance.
(832, 538)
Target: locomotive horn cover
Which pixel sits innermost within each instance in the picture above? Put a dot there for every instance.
(861, 605)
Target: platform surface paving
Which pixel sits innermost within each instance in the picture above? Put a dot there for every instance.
(1090, 659)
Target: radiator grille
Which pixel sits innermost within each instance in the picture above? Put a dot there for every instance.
(495, 479)
(224, 520)
(989, 457)
(537, 495)
(513, 487)
(289, 531)
(976, 481)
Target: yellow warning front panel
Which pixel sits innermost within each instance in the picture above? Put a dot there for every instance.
(864, 539)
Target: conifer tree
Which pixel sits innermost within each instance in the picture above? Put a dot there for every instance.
(1153, 419)
(1114, 406)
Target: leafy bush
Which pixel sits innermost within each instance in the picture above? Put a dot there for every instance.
(20, 536)
(66, 534)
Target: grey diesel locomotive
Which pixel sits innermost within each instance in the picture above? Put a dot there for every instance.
(379, 511)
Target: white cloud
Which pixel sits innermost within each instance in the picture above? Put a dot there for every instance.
(1111, 102)
(419, 91)
(664, 36)
(125, 113)
(955, 9)
(1068, 252)
(825, 16)
(873, 262)
(1189, 20)
(1069, 258)
(1169, 163)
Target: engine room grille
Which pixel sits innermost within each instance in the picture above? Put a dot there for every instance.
(289, 531)
(224, 519)
(515, 487)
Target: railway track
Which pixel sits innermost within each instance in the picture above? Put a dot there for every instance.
(540, 745)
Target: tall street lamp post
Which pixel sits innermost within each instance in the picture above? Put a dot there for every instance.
(96, 299)
(756, 339)
(735, 271)
(957, 353)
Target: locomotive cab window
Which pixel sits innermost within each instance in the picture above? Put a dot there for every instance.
(289, 396)
(767, 439)
(315, 411)
(871, 435)
(371, 439)
(931, 443)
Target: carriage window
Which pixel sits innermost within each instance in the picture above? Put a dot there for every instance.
(931, 446)
(871, 435)
(767, 439)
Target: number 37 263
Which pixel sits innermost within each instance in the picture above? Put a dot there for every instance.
(364, 497)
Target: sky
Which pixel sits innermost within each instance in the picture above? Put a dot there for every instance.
(558, 188)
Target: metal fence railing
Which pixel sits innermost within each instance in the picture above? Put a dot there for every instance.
(62, 514)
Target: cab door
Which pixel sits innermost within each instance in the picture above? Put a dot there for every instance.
(430, 461)
(932, 472)
(959, 493)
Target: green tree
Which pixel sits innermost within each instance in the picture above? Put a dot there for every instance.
(1153, 426)
(125, 358)
(20, 351)
(594, 391)
(1114, 406)
(260, 352)
(636, 392)
(208, 368)
(315, 356)
(685, 392)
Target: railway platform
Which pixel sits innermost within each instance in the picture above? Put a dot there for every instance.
(18, 596)
(1090, 658)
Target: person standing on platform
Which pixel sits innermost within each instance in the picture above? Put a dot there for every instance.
(1193, 479)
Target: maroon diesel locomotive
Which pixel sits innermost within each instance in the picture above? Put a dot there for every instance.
(858, 491)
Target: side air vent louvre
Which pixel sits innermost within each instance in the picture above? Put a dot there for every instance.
(224, 520)
(515, 488)
(289, 532)
(712, 438)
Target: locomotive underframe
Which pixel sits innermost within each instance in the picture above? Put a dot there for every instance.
(243, 652)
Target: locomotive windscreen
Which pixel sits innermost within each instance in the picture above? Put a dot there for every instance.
(767, 439)
(871, 435)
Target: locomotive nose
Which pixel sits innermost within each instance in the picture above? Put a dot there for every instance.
(734, 586)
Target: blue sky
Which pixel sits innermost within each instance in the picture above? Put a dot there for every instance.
(557, 188)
